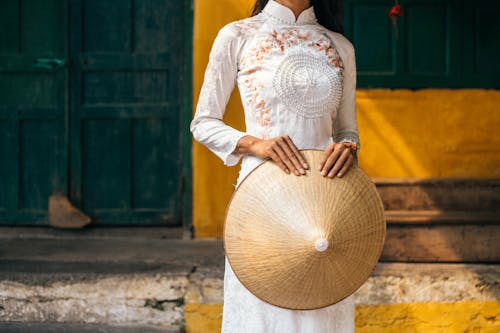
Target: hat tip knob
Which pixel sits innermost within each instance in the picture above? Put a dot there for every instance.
(321, 245)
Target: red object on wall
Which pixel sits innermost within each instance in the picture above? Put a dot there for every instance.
(395, 12)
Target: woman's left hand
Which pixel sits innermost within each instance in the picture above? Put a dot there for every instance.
(336, 160)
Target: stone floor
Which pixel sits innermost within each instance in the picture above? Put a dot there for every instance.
(23, 327)
(132, 283)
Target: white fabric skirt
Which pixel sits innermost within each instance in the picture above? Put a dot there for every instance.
(243, 312)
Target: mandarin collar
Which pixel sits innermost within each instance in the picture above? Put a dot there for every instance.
(285, 15)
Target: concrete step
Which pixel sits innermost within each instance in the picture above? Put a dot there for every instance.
(147, 282)
(443, 194)
(108, 281)
(28, 327)
(428, 217)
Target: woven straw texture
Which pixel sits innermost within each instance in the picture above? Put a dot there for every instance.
(277, 226)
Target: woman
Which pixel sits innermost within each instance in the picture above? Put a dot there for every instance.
(297, 79)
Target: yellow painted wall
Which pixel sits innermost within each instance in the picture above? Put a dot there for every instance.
(403, 133)
(429, 132)
(212, 181)
(455, 317)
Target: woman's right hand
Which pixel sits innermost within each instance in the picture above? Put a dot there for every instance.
(280, 149)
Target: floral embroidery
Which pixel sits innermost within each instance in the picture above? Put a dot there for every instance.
(262, 110)
(281, 41)
(286, 39)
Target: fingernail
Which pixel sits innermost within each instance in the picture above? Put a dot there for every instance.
(339, 174)
(302, 171)
(323, 172)
(287, 171)
(305, 166)
(319, 166)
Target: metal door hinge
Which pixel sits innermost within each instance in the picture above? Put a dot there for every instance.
(49, 63)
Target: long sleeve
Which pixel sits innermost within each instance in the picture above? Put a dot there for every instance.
(345, 127)
(207, 125)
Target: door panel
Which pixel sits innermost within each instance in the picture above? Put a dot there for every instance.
(422, 50)
(481, 47)
(437, 43)
(125, 77)
(106, 26)
(126, 119)
(435, 32)
(380, 42)
(33, 159)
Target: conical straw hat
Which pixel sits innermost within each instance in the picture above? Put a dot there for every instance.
(304, 242)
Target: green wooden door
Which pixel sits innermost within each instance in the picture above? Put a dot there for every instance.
(439, 43)
(109, 129)
(33, 108)
(128, 79)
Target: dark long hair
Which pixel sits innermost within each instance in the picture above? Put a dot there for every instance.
(328, 12)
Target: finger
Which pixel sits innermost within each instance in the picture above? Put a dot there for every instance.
(339, 163)
(347, 165)
(278, 161)
(284, 158)
(297, 153)
(331, 160)
(328, 151)
(291, 155)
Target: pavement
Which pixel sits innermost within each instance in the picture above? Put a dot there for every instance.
(104, 282)
(79, 328)
(140, 282)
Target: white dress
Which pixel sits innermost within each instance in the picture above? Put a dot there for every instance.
(295, 78)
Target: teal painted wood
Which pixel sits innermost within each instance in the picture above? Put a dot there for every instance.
(186, 115)
(33, 108)
(481, 47)
(127, 129)
(127, 133)
(441, 43)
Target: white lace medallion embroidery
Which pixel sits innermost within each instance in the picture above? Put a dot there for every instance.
(308, 84)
